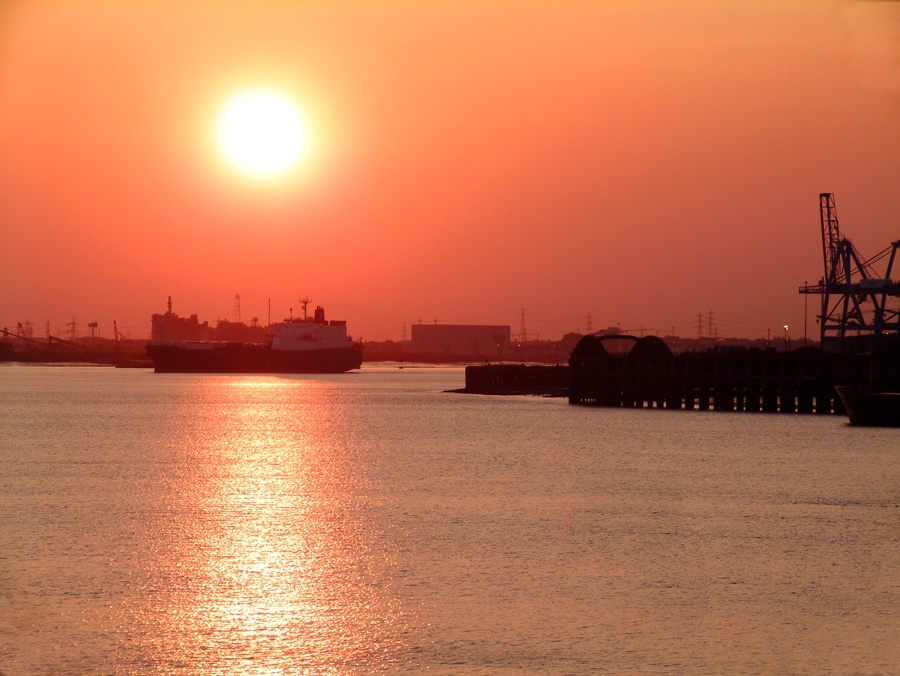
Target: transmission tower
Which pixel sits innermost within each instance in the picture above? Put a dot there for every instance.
(855, 299)
(524, 333)
(590, 323)
(236, 313)
(73, 329)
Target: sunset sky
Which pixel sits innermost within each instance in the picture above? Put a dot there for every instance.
(638, 162)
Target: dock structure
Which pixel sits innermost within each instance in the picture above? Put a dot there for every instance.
(542, 380)
(751, 380)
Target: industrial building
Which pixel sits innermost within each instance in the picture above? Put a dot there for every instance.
(169, 327)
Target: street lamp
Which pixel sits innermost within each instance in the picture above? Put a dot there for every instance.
(785, 337)
(805, 313)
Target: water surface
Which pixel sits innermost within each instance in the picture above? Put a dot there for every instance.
(372, 522)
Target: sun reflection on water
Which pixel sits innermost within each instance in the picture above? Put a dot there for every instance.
(273, 559)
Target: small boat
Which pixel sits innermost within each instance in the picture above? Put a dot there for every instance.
(870, 407)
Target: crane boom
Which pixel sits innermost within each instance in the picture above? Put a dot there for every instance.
(831, 232)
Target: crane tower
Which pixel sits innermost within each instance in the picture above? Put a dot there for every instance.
(860, 307)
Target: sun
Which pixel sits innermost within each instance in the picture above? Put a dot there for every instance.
(262, 133)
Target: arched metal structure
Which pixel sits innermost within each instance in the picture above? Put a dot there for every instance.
(636, 378)
(650, 348)
(590, 347)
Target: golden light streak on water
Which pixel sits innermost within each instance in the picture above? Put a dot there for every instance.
(272, 563)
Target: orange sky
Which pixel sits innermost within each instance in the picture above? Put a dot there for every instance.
(638, 162)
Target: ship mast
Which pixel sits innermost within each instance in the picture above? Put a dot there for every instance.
(304, 302)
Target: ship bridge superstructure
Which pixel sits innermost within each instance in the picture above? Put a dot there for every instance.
(311, 333)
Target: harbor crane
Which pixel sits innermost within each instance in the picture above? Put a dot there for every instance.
(860, 307)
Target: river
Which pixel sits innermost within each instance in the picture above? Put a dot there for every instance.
(373, 522)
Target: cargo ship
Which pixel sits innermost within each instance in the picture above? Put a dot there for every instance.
(295, 345)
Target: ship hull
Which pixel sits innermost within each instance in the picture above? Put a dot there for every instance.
(871, 408)
(250, 358)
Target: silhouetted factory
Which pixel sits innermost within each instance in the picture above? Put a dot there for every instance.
(169, 327)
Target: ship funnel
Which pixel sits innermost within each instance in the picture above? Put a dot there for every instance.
(320, 314)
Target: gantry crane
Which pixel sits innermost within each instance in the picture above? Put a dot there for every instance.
(860, 308)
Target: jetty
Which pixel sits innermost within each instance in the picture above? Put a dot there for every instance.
(649, 375)
(507, 379)
(753, 380)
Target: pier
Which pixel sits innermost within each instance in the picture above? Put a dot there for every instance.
(751, 380)
(649, 375)
(547, 381)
